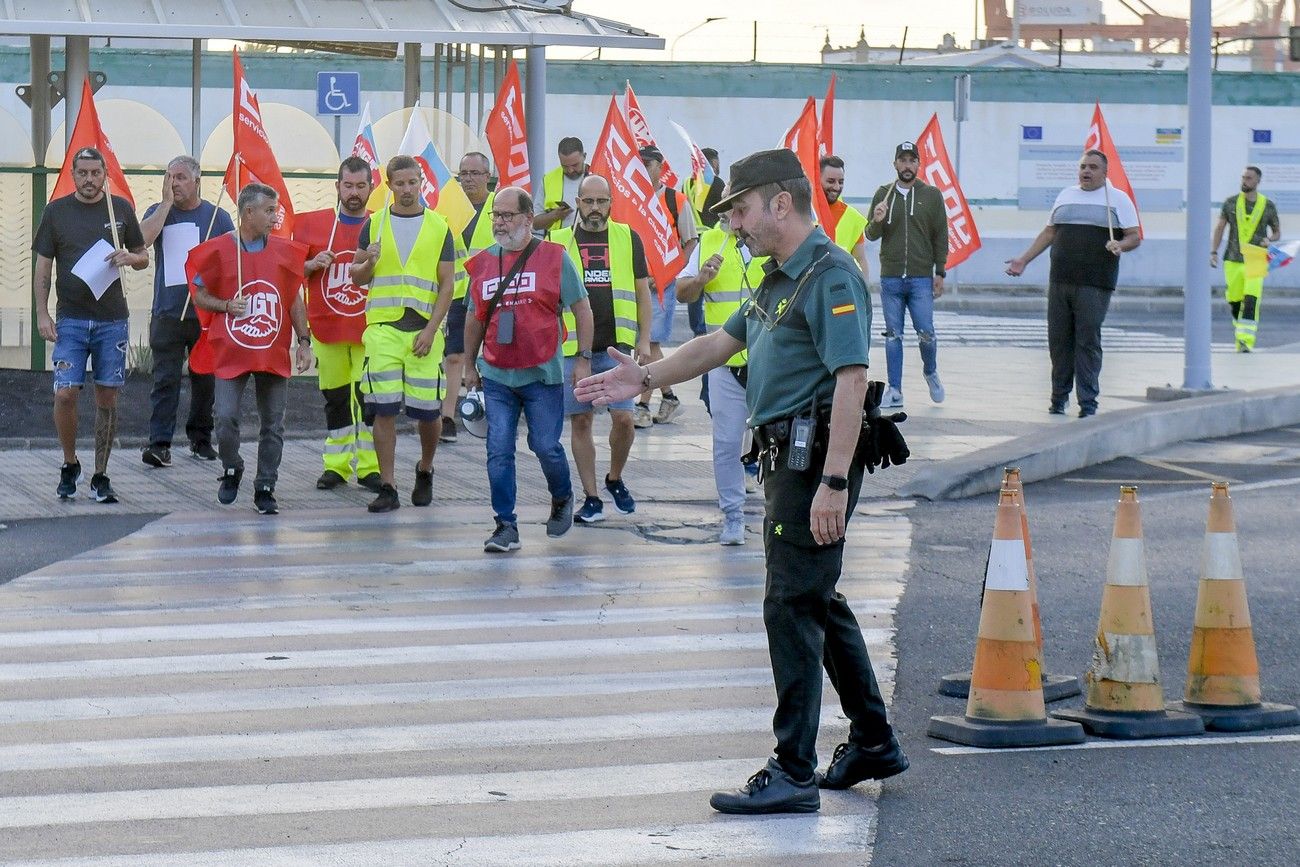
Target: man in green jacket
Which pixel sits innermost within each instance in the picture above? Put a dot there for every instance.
(909, 219)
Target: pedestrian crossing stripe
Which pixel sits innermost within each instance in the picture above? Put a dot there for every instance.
(966, 329)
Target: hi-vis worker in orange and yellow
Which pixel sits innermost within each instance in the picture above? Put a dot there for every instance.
(1251, 220)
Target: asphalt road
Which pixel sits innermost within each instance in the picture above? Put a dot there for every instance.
(29, 544)
(1212, 803)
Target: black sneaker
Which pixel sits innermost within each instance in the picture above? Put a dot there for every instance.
(622, 499)
(264, 502)
(1056, 407)
(1087, 410)
(592, 510)
(101, 490)
(561, 517)
(203, 451)
(69, 476)
(851, 764)
(229, 488)
(422, 493)
(371, 482)
(448, 434)
(771, 790)
(504, 540)
(157, 456)
(386, 501)
(329, 480)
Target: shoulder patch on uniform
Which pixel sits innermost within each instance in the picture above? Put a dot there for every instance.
(841, 309)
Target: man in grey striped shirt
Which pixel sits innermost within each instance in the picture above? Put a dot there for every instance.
(1090, 227)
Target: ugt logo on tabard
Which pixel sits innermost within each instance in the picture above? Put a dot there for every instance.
(342, 295)
(261, 323)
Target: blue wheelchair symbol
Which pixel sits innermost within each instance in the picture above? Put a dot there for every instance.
(338, 93)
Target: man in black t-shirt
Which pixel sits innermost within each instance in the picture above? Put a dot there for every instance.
(76, 238)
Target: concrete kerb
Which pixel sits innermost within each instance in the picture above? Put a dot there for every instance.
(1049, 453)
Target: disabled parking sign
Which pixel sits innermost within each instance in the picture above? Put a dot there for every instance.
(338, 93)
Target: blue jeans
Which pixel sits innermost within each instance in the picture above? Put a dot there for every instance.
(543, 407)
(916, 294)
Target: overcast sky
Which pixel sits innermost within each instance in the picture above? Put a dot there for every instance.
(792, 31)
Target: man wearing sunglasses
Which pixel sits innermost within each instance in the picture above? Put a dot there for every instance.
(611, 260)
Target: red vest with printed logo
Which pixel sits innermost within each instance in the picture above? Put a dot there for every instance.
(336, 307)
(262, 338)
(533, 297)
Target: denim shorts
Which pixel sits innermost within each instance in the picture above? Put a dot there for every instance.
(104, 343)
(455, 328)
(661, 323)
(600, 362)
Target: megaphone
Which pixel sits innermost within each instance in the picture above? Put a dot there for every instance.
(473, 413)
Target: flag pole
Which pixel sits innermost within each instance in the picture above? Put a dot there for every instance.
(216, 206)
(329, 245)
(112, 225)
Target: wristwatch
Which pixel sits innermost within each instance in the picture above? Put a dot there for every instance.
(584, 353)
(836, 483)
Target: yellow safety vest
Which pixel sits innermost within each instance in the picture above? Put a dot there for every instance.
(724, 293)
(848, 231)
(622, 282)
(414, 284)
(1248, 222)
(478, 242)
(552, 187)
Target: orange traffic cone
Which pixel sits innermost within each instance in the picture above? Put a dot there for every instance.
(1055, 686)
(1005, 708)
(1124, 697)
(1222, 670)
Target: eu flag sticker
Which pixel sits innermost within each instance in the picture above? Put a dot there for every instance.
(1261, 136)
(1031, 133)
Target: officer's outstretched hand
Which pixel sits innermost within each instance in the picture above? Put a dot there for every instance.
(614, 385)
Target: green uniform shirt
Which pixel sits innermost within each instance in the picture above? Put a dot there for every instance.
(826, 327)
(551, 371)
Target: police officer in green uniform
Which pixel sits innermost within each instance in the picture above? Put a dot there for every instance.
(807, 331)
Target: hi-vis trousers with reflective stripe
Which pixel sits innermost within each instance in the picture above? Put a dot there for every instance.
(394, 376)
(349, 440)
(1243, 295)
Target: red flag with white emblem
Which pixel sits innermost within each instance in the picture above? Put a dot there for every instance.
(937, 171)
(254, 160)
(803, 140)
(1099, 140)
(507, 133)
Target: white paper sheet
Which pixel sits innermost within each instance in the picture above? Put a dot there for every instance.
(177, 241)
(93, 268)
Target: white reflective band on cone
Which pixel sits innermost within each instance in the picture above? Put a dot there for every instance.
(1127, 565)
(1220, 557)
(1127, 659)
(1007, 569)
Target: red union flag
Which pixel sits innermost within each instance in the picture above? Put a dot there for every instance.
(641, 132)
(635, 203)
(1099, 140)
(87, 133)
(802, 138)
(826, 129)
(507, 133)
(937, 171)
(254, 160)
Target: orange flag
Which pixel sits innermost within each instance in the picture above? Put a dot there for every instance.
(802, 139)
(826, 129)
(507, 133)
(1099, 139)
(88, 133)
(253, 159)
(937, 171)
(635, 203)
(641, 132)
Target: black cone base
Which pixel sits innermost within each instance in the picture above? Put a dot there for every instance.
(1226, 718)
(1055, 686)
(994, 734)
(1131, 726)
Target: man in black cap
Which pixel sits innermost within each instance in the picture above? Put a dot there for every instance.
(807, 329)
(909, 219)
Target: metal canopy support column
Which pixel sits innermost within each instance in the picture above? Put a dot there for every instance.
(535, 106)
(40, 54)
(411, 80)
(1196, 298)
(196, 98)
(76, 67)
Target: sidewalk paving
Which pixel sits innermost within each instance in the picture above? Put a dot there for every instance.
(994, 396)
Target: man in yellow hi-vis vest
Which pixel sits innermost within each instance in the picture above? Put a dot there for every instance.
(611, 260)
(848, 230)
(407, 256)
(723, 272)
(554, 208)
(1250, 219)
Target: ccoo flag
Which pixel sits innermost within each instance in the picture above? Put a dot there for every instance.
(802, 139)
(365, 147)
(507, 133)
(937, 171)
(635, 203)
(702, 176)
(1099, 139)
(253, 159)
(641, 132)
(88, 133)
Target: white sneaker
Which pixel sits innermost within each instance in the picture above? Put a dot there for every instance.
(891, 398)
(733, 531)
(936, 387)
(751, 483)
